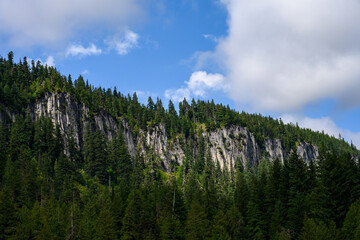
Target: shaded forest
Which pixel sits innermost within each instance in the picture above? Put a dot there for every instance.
(99, 191)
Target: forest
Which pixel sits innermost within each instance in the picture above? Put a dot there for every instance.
(98, 191)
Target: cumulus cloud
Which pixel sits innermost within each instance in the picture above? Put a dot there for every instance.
(325, 124)
(199, 84)
(124, 42)
(50, 61)
(202, 81)
(81, 51)
(51, 23)
(282, 55)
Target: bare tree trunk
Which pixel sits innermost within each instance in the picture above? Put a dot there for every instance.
(109, 184)
(41, 196)
(174, 200)
(174, 191)
(72, 218)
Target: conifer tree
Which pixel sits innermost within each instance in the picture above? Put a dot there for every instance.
(351, 226)
(119, 159)
(105, 224)
(297, 193)
(8, 218)
(132, 227)
(196, 224)
(241, 194)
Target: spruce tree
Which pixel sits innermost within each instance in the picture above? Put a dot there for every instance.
(197, 225)
(297, 193)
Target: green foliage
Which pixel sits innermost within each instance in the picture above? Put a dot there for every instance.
(351, 226)
(314, 230)
(51, 188)
(197, 224)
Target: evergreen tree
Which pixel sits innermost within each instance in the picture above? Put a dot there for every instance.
(196, 224)
(171, 228)
(313, 230)
(351, 226)
(105, 224)
(210, 198)
(200, 157)
(119, 160)
(241, 194)
(78, 184)
(219, 227)
(95, 155)
(297, 193)
(3, 150)
(132, 226)
(8, 215)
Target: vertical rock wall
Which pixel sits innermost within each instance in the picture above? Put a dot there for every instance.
(225, 145)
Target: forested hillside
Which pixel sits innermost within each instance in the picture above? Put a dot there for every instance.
(83, 162)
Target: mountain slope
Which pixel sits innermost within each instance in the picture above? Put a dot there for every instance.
(229, 136)
(78, 162)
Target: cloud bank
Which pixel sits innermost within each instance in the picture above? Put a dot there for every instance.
(282, 55)
(325, 124)
(51, 23)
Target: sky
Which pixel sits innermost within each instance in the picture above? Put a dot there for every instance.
(294, 60)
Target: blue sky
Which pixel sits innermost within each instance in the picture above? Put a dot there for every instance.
(298, 60)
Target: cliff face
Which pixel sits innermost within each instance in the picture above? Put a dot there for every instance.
(225, 145)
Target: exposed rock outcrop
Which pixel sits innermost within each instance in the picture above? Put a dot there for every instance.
(226, 145)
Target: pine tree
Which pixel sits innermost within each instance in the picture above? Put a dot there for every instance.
(351, 226)
(200, 157)
(241, 194)
(255, 214)
(338, 186)
(196, 224)
(105, 224)
(8, 214)
(219, 227)
(210, 197)
(119, 160)
(297, 193)
(132, 219)
(236, 226)
(314, 230)
(171, 228)
(3, 150)
(95, 155)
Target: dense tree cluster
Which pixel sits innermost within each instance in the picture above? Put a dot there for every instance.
(108, 195)
(99, 191)
(21, 83)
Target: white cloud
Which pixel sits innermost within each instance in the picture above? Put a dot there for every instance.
(123, 43)
(52, 23)
(85, 72)
(199, 84)
(211, 37)
(50, 61)
(325, 124)
(81, 51)
(282, 55)
(178, 95)
(144, 96)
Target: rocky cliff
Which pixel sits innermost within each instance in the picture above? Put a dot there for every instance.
(225, 145)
